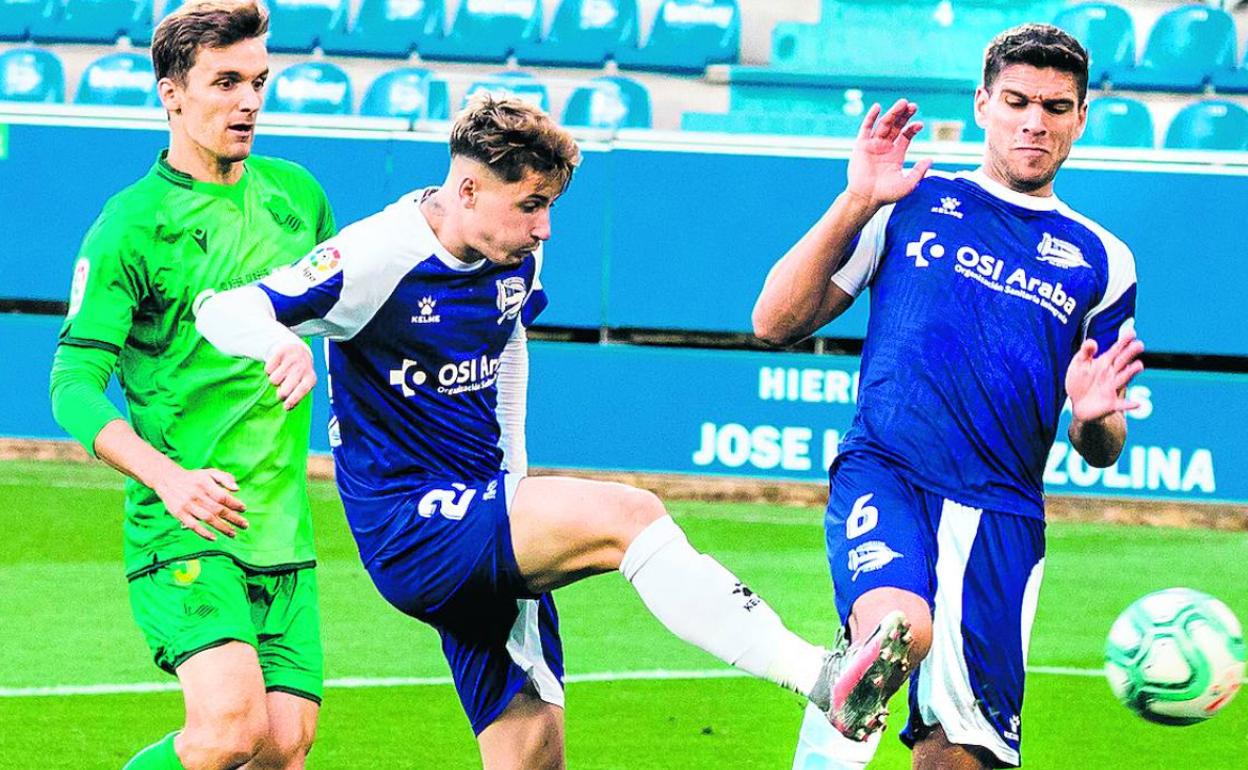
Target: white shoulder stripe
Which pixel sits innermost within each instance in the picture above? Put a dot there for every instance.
(864, 261)
(1120, 263)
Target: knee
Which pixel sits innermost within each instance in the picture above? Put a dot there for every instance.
(285, 749)
(231, 738)
(636, 509)
(872, 606)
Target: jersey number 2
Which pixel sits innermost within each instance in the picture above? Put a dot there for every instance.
(450, 503)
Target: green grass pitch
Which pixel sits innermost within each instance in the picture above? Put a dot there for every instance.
(65, 620)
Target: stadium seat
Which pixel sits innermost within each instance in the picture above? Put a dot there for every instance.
(687, 36)
(487, 31)
(1233, 81)
(312, 88)
(409, 92)
(1209, 125)
(96, 21)
(1115, 121)
(585, 33)
(388, 28)
(1186, 46)
(297, 26)
(119, 79)
(903, 38)
(610, 103)
(521, 85)
(1105, 31)
(18, 17)
(31, 75)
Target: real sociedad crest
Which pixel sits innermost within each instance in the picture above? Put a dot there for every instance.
(511, 293)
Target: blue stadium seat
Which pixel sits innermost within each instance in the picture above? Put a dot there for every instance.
(297, 26)
(313, 88)
(610, 103)
(1233, 81)
(1115, 121)
(585, 33)
(687, 36)
(521, 85)
(96, 21)
(409, 92)
(1209, 125)
(31, 75)
(1105, 31)
(901, 38)
(119, 79)
(488, 31)
(1186, 46)
(18, 17)
(388, 28)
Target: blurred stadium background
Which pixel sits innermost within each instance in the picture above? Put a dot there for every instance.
(715, 132)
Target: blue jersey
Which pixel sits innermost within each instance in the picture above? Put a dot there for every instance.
(980, 296)
(426, 360)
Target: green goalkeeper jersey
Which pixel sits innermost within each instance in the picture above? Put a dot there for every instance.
(157, 251)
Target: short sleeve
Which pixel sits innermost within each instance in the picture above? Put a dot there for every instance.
(864, 256)
(105, 292)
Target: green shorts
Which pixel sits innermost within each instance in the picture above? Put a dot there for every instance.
(186, 607)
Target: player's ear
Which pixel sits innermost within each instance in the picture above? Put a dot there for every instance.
(170, 95)
(981, 107)
(468, 189)
(1083, 119)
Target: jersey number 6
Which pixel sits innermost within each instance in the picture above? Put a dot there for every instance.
(863, 518)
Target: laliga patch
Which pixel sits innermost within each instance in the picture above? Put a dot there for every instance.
(870, 557)
(78, 289)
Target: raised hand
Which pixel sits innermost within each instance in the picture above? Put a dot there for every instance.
(290, 370)
(875, 166)
(1095, 383)
(202, 497)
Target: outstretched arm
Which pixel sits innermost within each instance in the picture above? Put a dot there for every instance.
(1097, 388)
(242, 322)
(798, 296)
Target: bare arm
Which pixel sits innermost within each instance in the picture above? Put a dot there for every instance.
(1097, 389)
(798, 296)
(194, 497)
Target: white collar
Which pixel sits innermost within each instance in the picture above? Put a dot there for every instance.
(998, 190)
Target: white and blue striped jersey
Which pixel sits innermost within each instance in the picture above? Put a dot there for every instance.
(426, 356)
(980, 296)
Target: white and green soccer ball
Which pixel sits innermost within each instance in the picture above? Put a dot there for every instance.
(1175, 657)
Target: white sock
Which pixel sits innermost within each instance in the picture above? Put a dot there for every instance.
(820, 746)
(707, 606)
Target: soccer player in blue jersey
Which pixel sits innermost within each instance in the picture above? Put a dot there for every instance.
(992, 302)
(425, 305)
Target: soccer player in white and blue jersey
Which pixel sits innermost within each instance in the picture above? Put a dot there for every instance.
(425, 306)
(992, 302)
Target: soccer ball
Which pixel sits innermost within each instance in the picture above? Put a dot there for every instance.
(1175, 657)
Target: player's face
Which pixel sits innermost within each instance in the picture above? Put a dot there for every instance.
(507, 221)
(1031, 118)
(220, 101)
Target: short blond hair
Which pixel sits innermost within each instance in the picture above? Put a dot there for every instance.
(511, 136)
(203, 24)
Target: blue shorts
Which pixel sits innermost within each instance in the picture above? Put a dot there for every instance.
(980, 572)
(450, 563)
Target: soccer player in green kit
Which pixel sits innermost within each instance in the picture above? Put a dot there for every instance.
(218, 535)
